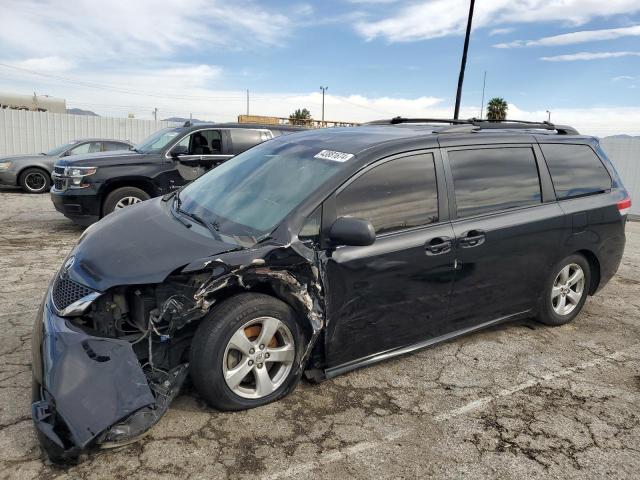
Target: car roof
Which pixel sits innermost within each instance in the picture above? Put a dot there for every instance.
(356, 140)
(82, 140)
(197, 126)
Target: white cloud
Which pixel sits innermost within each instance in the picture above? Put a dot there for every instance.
(178, 90)
(51, 64)
(622, 78)
(500, 31)
(439, 18)
(575, 37)
(101, 31)
(572, 57)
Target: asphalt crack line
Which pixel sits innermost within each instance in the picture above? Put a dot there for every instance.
(481, 402)
(333, 456)
(341, 454)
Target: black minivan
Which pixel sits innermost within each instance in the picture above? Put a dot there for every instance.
(317, 253)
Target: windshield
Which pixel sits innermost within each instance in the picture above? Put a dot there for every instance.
(60, 149)
(158, 140)
(250, 194)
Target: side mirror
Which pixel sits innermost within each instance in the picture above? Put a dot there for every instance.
(179, 150)
(352, 231)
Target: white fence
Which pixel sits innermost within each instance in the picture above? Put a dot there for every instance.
(34, 132)
(624, 152)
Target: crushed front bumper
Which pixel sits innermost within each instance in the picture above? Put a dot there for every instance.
(91, 391)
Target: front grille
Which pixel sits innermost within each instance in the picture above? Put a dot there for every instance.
(58, 170)
(59, 183)
(66, 291)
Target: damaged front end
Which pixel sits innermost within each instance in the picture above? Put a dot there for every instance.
(107, 365)
(91, 388)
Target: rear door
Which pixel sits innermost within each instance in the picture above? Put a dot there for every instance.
(395, 292)
(507, 227)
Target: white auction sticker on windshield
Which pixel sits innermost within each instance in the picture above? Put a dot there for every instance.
(334, 156)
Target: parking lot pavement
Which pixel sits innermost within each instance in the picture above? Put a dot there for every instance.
(515, 401)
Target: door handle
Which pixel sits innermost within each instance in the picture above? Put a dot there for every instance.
(438, 246)
(472, 238)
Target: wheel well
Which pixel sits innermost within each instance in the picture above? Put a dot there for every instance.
(137, 183)
(267, 289)
(594, 264)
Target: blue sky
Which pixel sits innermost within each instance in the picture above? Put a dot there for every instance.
(578, 58)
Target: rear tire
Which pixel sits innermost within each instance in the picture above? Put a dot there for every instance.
(123, 197)
(566, 291)
(35, 180)
(233, 367)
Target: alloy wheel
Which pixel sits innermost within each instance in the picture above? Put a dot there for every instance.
(126, 202)
(35, 181)
(568, 289)
(258, 358)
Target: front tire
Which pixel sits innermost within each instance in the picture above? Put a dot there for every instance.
(35, 180)
(246, 352)
(123, 197)
(565, 291)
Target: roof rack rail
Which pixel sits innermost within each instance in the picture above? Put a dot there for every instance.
(398, 120)
(481, 124)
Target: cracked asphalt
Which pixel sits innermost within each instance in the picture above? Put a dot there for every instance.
(516, 401)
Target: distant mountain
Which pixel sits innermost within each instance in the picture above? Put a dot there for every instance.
(79, 111)
(182, 120)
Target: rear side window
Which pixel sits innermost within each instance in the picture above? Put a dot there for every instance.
(492, 179)
(245, 138)
(113, 146)
(89, 147)
(398, 194)
(575, 170)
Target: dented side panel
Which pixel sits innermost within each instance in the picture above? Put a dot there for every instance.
(291, 271)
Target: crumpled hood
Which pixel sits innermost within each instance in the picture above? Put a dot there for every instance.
(137, 245)
(102, 158)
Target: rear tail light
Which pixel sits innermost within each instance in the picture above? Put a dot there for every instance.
(624, 206)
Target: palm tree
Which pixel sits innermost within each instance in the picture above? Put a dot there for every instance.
(300, 117)
(497, 109)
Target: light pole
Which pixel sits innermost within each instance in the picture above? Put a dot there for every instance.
(463, 65)
(548, 116)
(324, 89)
(484, 84)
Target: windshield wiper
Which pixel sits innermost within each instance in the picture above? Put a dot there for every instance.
(213, 227)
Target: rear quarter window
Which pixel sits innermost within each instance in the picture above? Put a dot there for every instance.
(575, 170)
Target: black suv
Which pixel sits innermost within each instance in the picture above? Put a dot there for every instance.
(88, 187)
(318, 253)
